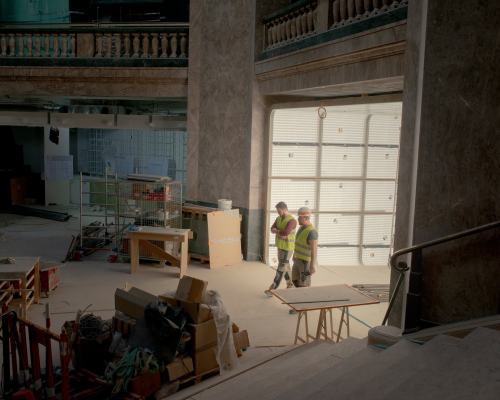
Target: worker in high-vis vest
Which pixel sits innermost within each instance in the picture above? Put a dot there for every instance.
(306, 249)
(284, 228)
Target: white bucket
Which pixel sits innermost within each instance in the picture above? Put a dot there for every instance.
(225, 204)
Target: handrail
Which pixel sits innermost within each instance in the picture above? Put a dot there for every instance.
(402, 267)
(443, 239)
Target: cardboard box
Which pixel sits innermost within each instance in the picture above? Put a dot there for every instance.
(191, 289)
(205, 361)
(203, 335)
(241, 342)
(146, 384)
(133, 302)
(146, 296)
(123, 324)
(178, 368)
(197, 312)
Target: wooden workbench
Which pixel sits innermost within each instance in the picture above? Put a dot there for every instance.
(26, 270)
(325, 299)
(146, 234)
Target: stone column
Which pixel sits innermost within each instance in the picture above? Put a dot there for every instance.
(220, 103)
(449, 162)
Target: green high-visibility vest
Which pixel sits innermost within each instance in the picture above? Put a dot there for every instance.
(288, 243)
(302, 249)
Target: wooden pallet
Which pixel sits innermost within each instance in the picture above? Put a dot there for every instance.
(195, 379)
(379, 292)
(199, 257)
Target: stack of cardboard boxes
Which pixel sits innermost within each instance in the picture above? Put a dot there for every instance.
(200, 358)
(203, 345)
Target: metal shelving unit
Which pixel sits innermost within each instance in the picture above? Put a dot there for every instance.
(148, 203)
(109, 206)
(99, 213)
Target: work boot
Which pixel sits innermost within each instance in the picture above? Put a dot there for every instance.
(268, 291)
(289, 285)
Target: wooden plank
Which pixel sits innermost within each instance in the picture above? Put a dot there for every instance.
(161, 230)
(27, 271)
(22, 266)
(162, 237)
(183, 264)
(160, 253)
(147, 233)
(224, 238)
(134, 254)
(197, 208)
(321, 297)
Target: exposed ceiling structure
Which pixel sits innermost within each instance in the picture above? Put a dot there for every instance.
(165, 107)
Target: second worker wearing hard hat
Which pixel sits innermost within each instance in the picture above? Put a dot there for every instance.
(306, 249)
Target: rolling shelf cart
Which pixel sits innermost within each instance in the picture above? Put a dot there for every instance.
(99, 210)
(109, 206)
(156, 202)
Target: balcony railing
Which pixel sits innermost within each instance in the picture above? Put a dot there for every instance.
(305, 19)
(135, 45)
(293, 23)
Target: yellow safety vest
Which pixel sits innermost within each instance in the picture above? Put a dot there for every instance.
(287, 244)
(302, 249)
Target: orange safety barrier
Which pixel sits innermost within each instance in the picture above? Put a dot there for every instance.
(25, 336)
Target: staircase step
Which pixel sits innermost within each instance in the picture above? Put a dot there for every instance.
(473, 374)
(480, 336)
(264, 381)
(323, 376)
(349, 346)
(435, 356)
(351, 380)
(457, 329)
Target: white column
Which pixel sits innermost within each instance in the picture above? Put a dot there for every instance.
(56, 191)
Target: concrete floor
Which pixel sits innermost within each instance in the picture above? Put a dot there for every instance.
(93, 281)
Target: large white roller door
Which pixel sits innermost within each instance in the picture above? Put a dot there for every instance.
(344, 167)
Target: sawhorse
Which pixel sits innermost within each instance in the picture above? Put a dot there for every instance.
(322, 331)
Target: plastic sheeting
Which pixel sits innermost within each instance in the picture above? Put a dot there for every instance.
(226, 353)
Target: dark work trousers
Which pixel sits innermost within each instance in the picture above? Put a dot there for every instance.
(283, 269)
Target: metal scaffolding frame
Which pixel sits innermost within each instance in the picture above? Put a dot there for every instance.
(110, 206)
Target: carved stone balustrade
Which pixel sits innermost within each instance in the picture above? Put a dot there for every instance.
(37, 44)
(297, 22)
(104, 42)
(344, 12)
(305, 18)
(156, 44)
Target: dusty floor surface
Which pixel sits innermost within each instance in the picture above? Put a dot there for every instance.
(93, 282)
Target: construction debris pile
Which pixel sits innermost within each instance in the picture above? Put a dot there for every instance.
(160, 343)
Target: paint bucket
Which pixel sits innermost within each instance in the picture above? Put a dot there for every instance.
(225, 204)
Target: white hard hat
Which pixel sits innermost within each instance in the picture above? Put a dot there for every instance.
(304, 211)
